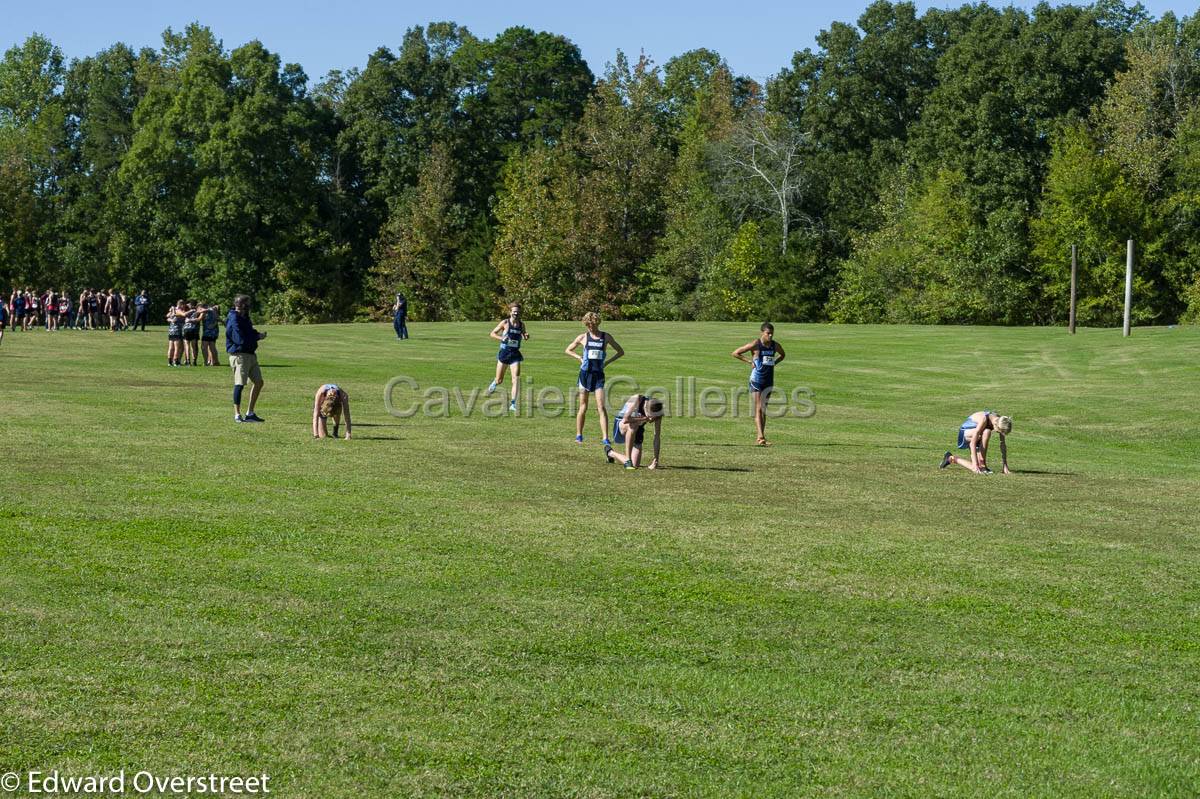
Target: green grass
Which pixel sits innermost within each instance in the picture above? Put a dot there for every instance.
(480, 607)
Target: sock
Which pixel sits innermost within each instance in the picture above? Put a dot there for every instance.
(237, 396)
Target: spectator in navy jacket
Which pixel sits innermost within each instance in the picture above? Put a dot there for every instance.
(241, 342)
(141, 309)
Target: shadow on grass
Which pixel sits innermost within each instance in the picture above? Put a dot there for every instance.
(377, 438)
(774, 444)
(708, 468)
(856, 445)
(370, 424)
(1038, 471)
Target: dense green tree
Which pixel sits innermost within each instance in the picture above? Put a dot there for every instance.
(1090, 203)
(1149, 99)
(858, 89)
(101, 95)
(857, 97)
(19, 217)
(32, 151)
(697, 225)
(417, 247)
(223, 172)
(623, 149)
(538, 232)
(520, 89)
(687, 77)
(733, 281)
(1181, 217)
(401, 105)
(927, 264)
(1002, 87)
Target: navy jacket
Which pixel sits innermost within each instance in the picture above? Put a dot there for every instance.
(240, 335)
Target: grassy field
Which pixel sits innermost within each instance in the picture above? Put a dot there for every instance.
(481, 607)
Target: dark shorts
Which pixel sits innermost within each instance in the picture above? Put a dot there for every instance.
(962, 440)
(618, 436)
(510, 357)
(767, 388)
(590, 381)
(208, 339)
(191, 335)
(174, 337)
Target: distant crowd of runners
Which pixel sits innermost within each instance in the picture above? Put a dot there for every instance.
(91, 309)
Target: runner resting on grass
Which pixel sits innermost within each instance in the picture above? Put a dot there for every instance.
(591, 371)
(510, 333)
(975, 434)
(330, 401)
(767, 354)
(629, 428)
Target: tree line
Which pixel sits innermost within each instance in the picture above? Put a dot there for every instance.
(908, 168)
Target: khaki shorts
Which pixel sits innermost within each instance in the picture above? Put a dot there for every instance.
(245, 368)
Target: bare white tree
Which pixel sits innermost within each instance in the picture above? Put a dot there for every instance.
(762, 168)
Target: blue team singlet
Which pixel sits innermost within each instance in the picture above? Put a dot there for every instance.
(510, 345)
(591, 371)
(762, 374)
(594, 350)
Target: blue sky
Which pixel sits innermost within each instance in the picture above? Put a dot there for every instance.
(756, 38)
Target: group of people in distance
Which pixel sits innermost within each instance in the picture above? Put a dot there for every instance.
(591, 349)
(55, 310)
(192, 330)
(762, 355)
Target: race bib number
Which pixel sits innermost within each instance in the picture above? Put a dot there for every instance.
(768, 360)
(514, 343)
(595, 355)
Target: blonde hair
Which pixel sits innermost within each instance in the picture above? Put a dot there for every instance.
(328, 402)
(1003, 425)
(591, 319)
